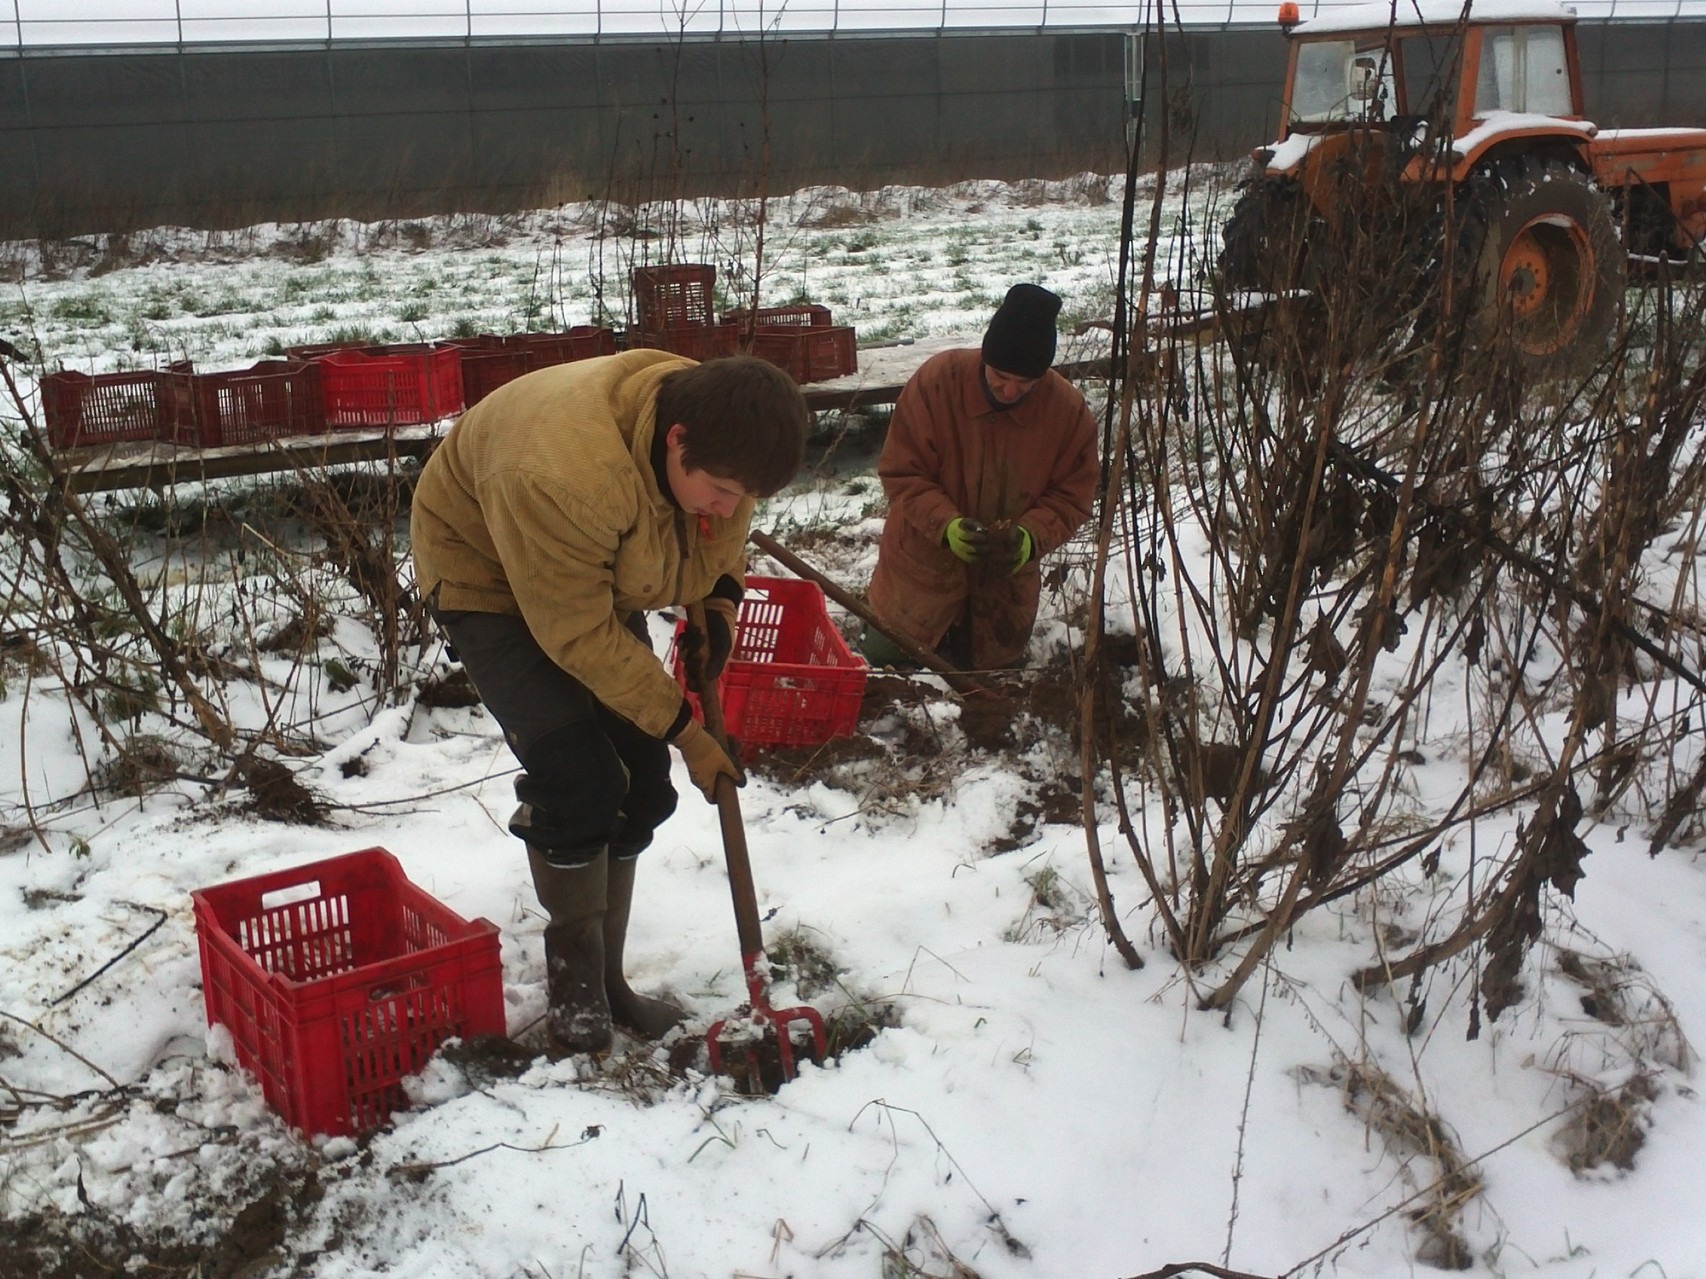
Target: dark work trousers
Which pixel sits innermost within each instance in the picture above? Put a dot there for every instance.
(590, 779)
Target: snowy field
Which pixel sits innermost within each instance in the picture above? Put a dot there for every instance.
(1029, 1106)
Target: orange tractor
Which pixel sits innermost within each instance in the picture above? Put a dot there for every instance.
(1454, 137)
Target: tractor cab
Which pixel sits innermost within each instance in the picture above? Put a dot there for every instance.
(1426, 73)
(1436, 160)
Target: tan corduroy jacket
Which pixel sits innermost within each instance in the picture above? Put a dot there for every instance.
(542, 503)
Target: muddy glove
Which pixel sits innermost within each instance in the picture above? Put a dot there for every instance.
(722, 611)
(1024, 548)
(706, 761)
(720, 622)
(966, 538)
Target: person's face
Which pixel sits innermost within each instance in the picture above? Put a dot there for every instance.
(1006, 387)
(699, 492)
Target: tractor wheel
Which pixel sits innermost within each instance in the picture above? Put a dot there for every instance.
(1265, 241)
(1546, 270)
(1266, 249)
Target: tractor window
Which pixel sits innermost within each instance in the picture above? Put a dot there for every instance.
(1523, 69)
(1337, 81)
(1546, 75)
(1431, 65)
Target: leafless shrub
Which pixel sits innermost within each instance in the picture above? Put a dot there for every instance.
(1348, 499)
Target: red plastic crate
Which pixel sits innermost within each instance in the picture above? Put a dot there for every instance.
(314, 350)
(581, 342)
(808, 315)
(802, 339)
(270, 400)
(80, 409)
(668, 297)
(791, 679)
(340, 978)
(701, 342)
(809, 354)
(391, 386)
(489, 361)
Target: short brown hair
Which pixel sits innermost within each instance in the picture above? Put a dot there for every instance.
(745, 417)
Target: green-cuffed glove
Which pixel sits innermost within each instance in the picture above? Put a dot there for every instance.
(966, 538)
(1024, 547)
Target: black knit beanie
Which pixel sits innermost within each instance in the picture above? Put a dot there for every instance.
(1020, 340)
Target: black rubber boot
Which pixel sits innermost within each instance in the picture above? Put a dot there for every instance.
(577, 1015)
(645, 1016)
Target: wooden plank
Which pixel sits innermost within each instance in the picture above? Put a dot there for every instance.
(181, 466)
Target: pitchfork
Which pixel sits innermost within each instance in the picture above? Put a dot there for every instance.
(747, 1033)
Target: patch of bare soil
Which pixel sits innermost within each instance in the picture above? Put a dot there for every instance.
(95, 1244)
(800, 765)
(1054, 805)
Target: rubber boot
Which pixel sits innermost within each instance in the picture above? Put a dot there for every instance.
(647, 1017)
(577, 1014)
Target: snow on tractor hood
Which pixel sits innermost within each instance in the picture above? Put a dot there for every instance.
(1499, 123)
(1432, 13)
(1284, 157)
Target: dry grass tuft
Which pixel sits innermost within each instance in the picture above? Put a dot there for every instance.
(1609, 1126)
(1409, 1131)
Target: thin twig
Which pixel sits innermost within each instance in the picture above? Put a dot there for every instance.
(152, 929)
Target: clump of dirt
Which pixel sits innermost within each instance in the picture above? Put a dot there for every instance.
(143, 763)
(989, 724)
(296, 635)
(451, 689)
(487, 1058)
(276, 795)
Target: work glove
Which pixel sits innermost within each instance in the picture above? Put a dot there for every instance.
(706, 761)
(966, 538)
(1024, 548)
(722, 613)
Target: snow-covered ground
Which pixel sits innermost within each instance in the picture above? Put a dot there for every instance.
(1029, 1105)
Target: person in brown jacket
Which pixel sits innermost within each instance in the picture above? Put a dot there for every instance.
(557, 511)
(989, 465)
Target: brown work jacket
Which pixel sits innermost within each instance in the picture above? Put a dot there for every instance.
(950, 452)
(542, 503)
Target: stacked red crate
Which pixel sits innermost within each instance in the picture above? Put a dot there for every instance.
(802, 339)
(674, 311)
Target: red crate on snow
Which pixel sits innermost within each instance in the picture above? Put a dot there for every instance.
(800, 339)
(391, 386)
(676, 296)
(270, 400)
(340, 978)
(81, 409)
(791, 679)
